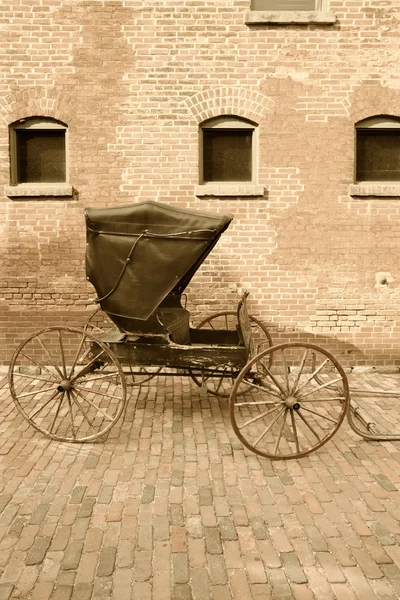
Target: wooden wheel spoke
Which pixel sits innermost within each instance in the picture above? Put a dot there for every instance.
(276, 382)
(105, 415)
(42, 391)
(103, 325)
(90, 423)
(265, 389)
(327, 399)
(262, 368)
(302, 417)
(261, 403)
(86, 367)
(35, 362)
(83, 357)
(97, 392)
(94, 328)
(286, 370)
(57, 413)
(258, 440)
(321, 387)
(64, 366)
(281, 431)
(71, 417)
(113, 374)
(100, 368)
(52, 397)
(312, 376)
(314, 412)
(34, 377)
(41, 343)
(301, 367)
(258, 417)
(296, 437)
(74, 362)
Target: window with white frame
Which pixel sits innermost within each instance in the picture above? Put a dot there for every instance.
(228, 150)
(378, 150)
(38, 148)
(289, 5)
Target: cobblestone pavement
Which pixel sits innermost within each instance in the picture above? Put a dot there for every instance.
(171, 506)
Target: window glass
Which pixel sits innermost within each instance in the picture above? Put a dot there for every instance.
(378, 155)
(227, 154)
(40, 156)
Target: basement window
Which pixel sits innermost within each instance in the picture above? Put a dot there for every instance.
(38, 156)
(378, 150)
(227, 150)
(228, 158)
(377, 157)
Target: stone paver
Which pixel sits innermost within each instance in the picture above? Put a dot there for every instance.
(172, 506)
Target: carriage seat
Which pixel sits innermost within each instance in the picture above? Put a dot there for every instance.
(170, 320)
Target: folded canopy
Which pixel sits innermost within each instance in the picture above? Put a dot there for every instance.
(138, 254)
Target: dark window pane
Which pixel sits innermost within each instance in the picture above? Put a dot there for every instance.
(40, 156)
(378, 155)
(227, 154)
(283, 5)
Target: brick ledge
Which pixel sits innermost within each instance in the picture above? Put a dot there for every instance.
(375, 189)
(37, 190)
(288, 17)
(229, 189)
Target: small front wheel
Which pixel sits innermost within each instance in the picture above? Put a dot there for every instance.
(293, 407)
(67, 384)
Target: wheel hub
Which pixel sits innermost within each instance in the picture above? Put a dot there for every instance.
(292, 402)
(64, 386)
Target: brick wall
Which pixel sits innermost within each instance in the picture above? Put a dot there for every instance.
(133, 80)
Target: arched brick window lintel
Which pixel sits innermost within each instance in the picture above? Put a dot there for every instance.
(238, 102)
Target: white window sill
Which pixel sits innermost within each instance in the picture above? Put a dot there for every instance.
(38, 189)
(288, 17)
(375, 189)
(229, 189)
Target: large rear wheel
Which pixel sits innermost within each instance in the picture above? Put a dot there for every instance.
(293, 407)
(67, 384)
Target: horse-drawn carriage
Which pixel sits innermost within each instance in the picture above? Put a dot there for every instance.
(71, 384)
